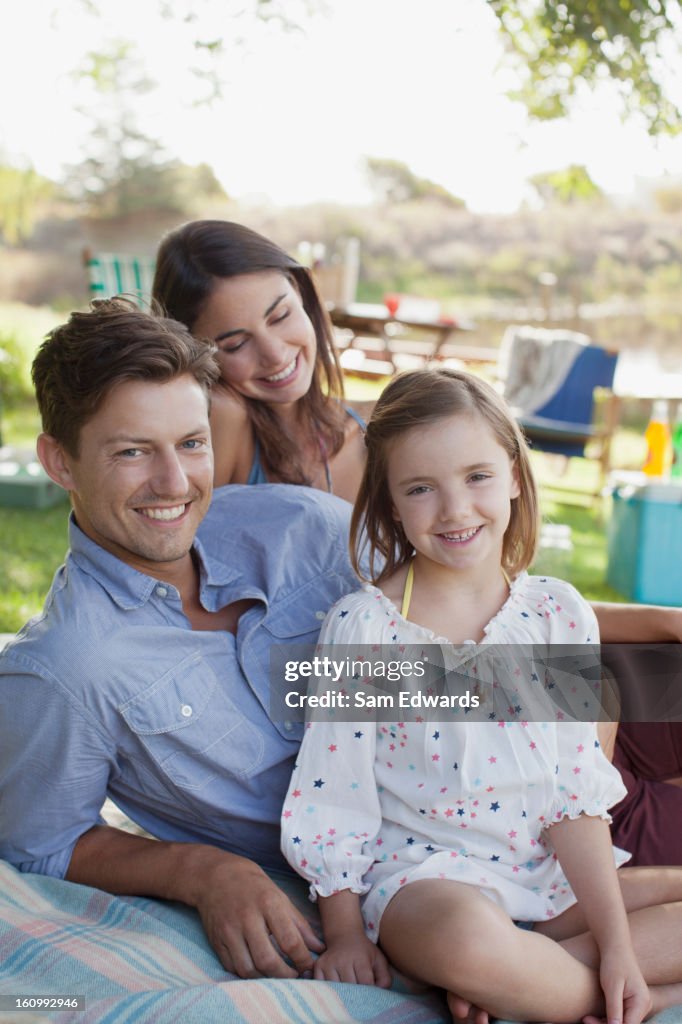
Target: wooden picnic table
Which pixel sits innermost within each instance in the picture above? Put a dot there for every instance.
(385, 338)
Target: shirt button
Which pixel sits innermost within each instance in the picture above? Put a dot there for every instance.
(288, 726)
(320, 615)
(162, 591)
(186, 710)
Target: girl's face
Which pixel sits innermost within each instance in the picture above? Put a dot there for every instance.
(266, 342)
(451, 484)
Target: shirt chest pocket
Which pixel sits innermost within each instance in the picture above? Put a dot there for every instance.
(291, 634)
(191, 728)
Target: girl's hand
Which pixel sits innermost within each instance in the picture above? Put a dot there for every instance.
(355, 959)
(625, 991)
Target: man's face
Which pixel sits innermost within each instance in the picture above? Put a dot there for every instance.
(143, 478)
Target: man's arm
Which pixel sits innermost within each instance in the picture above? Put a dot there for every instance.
(55, 763)
(241, 909)
(637, 623)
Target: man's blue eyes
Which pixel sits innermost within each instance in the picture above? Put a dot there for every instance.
(192, 444)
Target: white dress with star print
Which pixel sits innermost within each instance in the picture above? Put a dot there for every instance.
(373, 806)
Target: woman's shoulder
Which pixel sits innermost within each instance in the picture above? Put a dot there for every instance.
(233, 438)
(227, 407)
(349, 462)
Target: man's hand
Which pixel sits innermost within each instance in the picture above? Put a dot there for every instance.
(250, 923)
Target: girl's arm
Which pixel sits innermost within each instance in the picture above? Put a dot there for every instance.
(350, 956)
(631, 623)
(583, 846)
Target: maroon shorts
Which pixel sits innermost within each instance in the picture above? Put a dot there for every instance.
(648, 821)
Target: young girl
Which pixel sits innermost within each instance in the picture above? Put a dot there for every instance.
(456, 833)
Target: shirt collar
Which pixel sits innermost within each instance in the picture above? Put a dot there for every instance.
(130, 588)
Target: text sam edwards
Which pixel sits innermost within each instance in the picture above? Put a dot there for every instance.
(362, 699)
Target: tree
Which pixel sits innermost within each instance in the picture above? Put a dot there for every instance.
(570, 185)
(393, 182)
(23, 193)
(126, 171)
(557, 44)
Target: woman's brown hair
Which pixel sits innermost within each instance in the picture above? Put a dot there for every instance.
(414, 399)
(190, 261)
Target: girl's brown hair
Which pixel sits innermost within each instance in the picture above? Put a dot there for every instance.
(190, 261)
(414, 399)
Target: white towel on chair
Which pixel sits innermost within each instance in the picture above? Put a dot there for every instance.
(535, 362)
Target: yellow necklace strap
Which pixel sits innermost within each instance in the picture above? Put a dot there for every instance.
(407, 595)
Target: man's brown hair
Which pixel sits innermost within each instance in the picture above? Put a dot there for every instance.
(80, 362)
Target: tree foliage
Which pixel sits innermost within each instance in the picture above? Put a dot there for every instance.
(125, 170)
(557, 44)
(392, 181)
(23, 195)
(569, 185)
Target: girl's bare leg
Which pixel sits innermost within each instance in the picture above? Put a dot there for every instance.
(451, 935)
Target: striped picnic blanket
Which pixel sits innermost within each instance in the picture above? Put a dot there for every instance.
(133, 959)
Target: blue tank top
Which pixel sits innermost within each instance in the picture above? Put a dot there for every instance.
(257, 472)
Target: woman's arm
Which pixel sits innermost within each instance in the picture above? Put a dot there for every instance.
(583, 846)
(348, 464)
(638, 623)
(232, 436)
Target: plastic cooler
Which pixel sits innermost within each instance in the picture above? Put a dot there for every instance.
(24, 483)
(645, 543)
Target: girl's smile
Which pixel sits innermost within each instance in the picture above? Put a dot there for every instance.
(451, 486)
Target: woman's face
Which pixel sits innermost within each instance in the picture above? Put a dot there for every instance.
(266, 342)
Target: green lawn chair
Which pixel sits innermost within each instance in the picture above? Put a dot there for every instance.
(111, 273)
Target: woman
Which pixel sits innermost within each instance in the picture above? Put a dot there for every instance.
(277, 414)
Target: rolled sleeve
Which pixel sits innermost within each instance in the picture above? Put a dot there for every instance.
(54, 768)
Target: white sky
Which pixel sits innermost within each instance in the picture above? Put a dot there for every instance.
(414, 82)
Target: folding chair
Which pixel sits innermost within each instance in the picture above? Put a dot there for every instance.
(561, 418)
(119, 274)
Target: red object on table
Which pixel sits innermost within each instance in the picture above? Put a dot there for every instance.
(392, 302)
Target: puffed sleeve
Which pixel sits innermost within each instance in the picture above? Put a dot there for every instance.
(586, 782)
(332, 812)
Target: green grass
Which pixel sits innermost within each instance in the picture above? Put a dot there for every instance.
(34, 545)
(585, 567)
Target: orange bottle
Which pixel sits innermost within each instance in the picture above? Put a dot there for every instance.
(659, 443)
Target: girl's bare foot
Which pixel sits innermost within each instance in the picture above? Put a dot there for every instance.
(461, 1009)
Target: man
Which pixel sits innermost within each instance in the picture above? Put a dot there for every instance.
(146, 677)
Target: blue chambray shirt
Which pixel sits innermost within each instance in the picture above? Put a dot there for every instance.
(109, 692)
